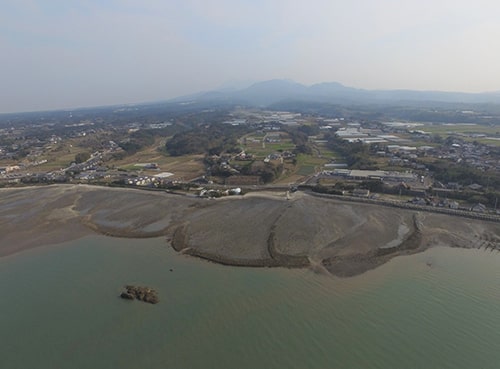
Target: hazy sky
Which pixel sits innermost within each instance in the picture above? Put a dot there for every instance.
(69, 53)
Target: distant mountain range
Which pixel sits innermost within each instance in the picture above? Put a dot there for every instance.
(275, 91)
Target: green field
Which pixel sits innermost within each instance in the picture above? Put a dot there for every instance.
(308, 164)
(60, 157)
(261, 152)
(461, 128)
(466, 132)
(306, 170)
(326, 152)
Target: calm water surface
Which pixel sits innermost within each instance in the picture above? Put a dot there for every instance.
(59, 309)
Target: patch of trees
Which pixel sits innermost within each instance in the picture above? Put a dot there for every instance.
(373, 186)
(300, 138)
(309, 129)
(464, 174)
(488, 198)
(267, 172)
(327, 189)
(138, 140)
(211, 139)
(82, 157)
(356, 154)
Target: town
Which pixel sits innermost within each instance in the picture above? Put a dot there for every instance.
(218, 152)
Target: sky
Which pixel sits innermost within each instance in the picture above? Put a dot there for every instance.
(61, 54)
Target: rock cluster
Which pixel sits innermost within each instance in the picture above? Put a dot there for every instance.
(145, 294)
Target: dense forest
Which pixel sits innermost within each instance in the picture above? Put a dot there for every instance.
(356, 154)
(211, 139)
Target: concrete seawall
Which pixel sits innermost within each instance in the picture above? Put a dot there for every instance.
(409, 206)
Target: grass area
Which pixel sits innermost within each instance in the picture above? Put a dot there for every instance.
(183, 167)
(257, 135)
(466, 132)
(241, 163)
(261, 151)
(281, 146)
(381, 163)
(306, 170)
(151, 154)
(304, 159)
(129, 167)
(308, 164)
(61, 156)
(326, 152)
(446, 129)
(490, 142)
(333, 180)
(418, 143)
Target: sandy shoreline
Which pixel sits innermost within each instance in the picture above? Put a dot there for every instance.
(261, 229)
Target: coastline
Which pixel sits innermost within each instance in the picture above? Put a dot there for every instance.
(259, 230)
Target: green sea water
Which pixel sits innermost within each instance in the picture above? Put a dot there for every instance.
(59, 308)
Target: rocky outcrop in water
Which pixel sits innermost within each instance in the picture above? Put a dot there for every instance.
(145, 294)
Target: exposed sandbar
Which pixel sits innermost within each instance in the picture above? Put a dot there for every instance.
(345, 238)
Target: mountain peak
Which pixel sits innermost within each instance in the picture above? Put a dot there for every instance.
(269, 92)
